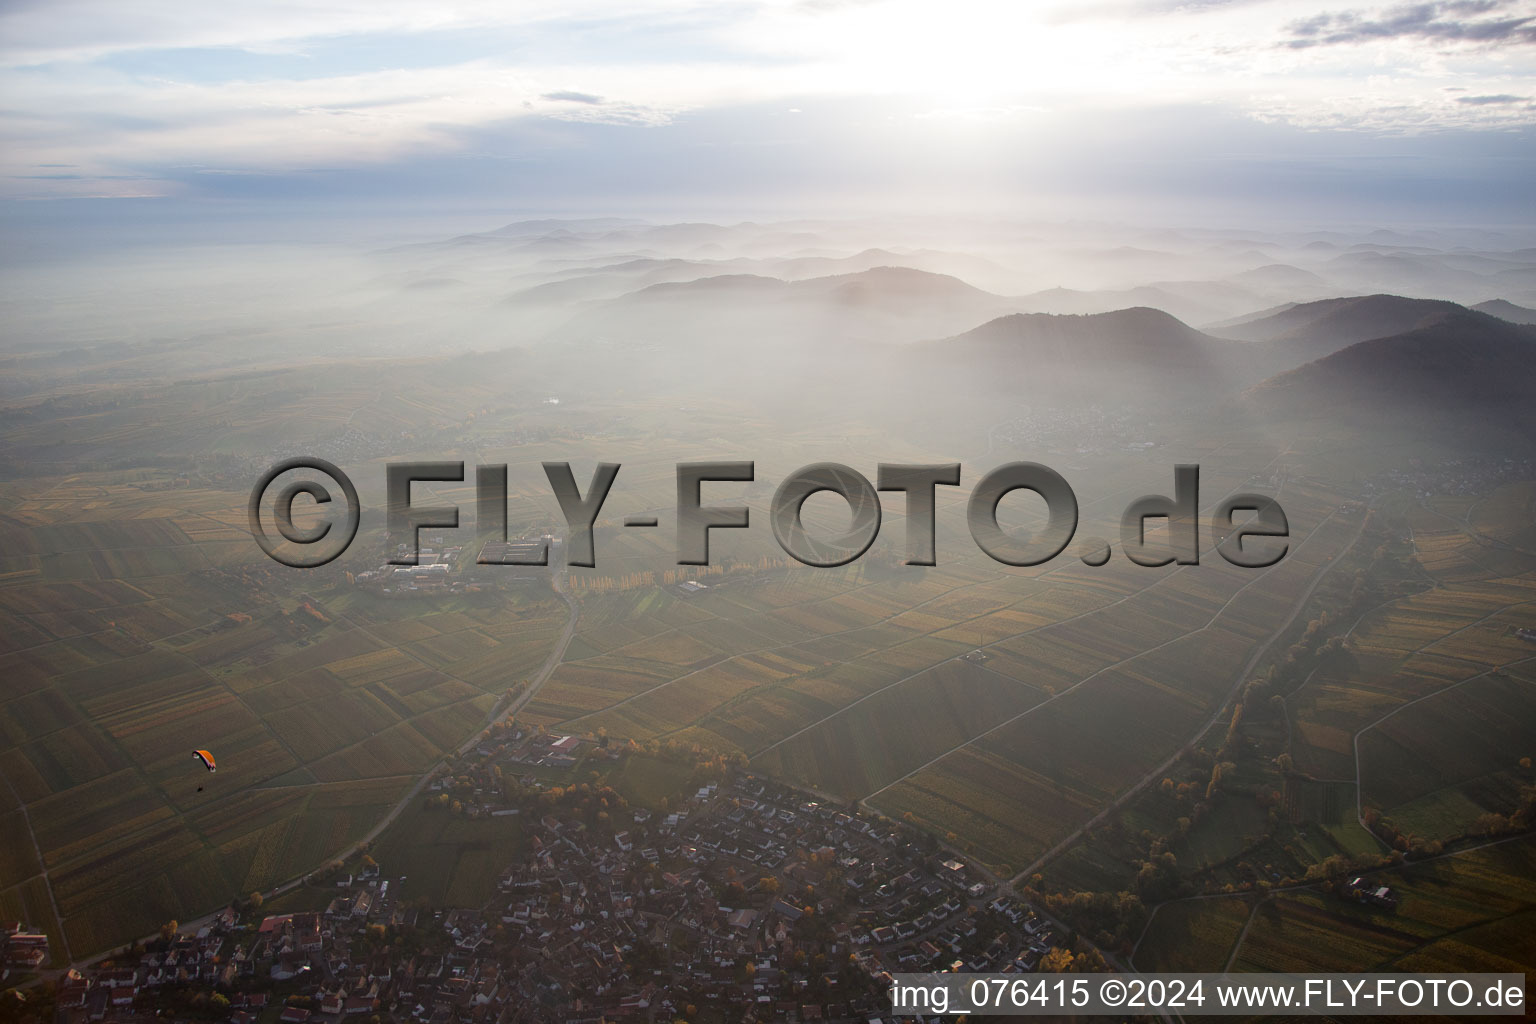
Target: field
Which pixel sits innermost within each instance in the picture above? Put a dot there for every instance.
(1193, 935)
(1128, 689)
(138, 626)
(1023, 714)
(448, 860)
(1437, 766)
(1453, 912)
(1396, 711)
(455, 861)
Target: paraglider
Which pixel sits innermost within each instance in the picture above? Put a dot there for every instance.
(207, 758)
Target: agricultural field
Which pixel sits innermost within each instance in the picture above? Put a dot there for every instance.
(138, 625)
(1193, 935)
(900, 728)
(1426, 706)
(1457, 909)
(1401, 716)
(1004, 708)
(1127, 689)
(1438, 765)
(450, 860)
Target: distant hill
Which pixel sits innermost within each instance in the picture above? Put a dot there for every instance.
(1336, 322)
(870, 278)
(1456, 365)
(900, 284)
(525, 228)
(1293, 335)
(730, 312)
(732, 286)
(1507, 311)
(1227, 328)
(1198, 300)
(1121, 333)
(1202, 301)
(877, 284)
(1139, 354)
(1279, 276)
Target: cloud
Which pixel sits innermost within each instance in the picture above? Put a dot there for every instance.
(1482, 101)
(566, 96)
(1452, 21)
(247, 89)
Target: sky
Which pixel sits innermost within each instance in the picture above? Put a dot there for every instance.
(1258, 111)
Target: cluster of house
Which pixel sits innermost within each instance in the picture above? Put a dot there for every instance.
(121, 988)
(347, 445)
(1091, 430)
(517, 751)
(747, 897)
(433, 570)
(24, 949)
(1469, 475)
(902, 908)
(516, 559)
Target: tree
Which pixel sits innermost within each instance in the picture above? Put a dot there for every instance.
(255, 900)
(1057, 961)
(168, 930)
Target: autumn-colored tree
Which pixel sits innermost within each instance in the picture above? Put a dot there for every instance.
(1057, 961)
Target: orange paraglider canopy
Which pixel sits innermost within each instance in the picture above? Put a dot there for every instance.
(205, 757)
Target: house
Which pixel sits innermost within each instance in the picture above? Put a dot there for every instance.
(1375, 895)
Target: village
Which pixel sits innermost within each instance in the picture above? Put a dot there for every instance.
(744, 900)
